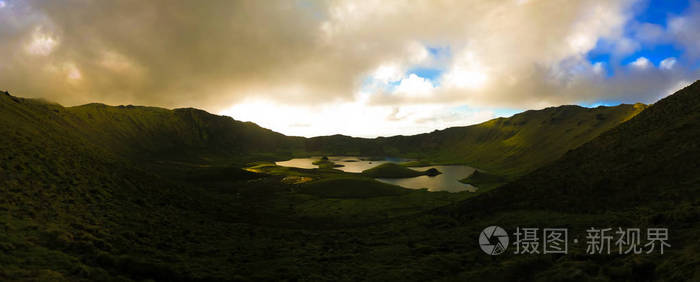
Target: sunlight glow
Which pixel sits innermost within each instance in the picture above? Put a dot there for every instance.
(353, 118)
(41, 44)
(72, 72)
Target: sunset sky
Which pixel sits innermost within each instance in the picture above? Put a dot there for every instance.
(361, 68)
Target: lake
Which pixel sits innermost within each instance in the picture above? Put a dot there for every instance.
(447, 181)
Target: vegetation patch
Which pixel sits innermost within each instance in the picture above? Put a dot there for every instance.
(392, 170)
(325, 163)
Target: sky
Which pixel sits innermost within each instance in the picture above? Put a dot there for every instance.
(362, 68)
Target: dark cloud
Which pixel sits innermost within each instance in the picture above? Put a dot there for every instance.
(172, 53)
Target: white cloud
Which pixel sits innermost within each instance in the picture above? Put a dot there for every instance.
(641, 63)
(414, 85)
(667, 64)
(599, 68)
(625, 46)
(417, 53)
(650, 33)
(466, 72)
(387, 73)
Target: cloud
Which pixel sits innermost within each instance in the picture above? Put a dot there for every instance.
(414, 85)
(599, 68)
(641, 63)
(667, 64)
(303, 57)
(650, 33)
(684, 29)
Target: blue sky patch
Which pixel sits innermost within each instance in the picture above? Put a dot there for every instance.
(657, 11)
(606, 103)
(655, 54)
(429, 73)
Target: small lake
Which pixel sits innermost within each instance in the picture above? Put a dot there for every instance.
(447, 181)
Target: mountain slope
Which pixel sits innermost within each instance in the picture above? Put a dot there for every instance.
(61, 193)
(185, 134)
(650, 158)
(511, 146)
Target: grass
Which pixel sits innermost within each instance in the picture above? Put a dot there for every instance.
(484, 179)
(392, 170)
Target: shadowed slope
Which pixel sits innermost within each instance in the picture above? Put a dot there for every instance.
(179, 134)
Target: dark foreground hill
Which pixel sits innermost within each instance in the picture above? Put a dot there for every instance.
(643, 173)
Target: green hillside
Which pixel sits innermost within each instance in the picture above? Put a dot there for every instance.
(508, 146)
(650, 159)
(180, 134)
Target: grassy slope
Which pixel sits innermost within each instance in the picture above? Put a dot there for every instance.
(181, 134)
(59, 192)
(508, 146)
(528, 140)
(651, 158)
